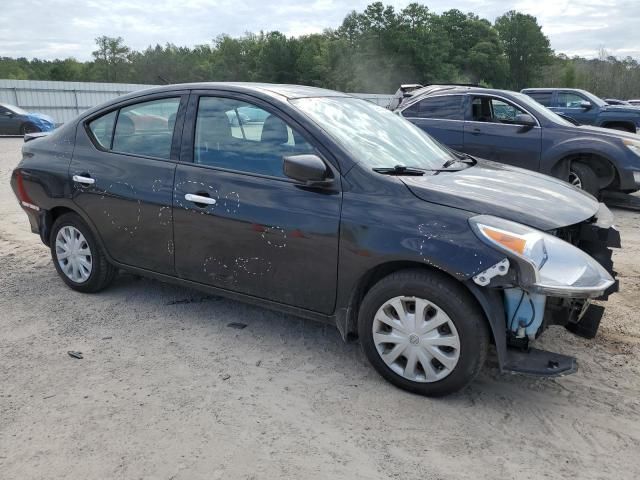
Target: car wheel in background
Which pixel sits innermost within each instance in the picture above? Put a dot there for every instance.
(28, 128)
(582, 176)
(77, 256)
(423, 332)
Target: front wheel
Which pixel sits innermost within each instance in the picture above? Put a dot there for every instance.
(423, 332)
(28, 128)
(583, 177)
(77, 256)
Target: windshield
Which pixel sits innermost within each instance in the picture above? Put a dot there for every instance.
(16, 110)
(540, 109)
(372, 134)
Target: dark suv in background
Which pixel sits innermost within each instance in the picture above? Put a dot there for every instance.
(586, 108)
(510, 127)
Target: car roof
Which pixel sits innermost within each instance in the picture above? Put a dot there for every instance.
(283, 90)
(553, 89)
(460, 89)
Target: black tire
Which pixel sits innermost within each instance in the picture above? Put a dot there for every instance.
(28, 128)
(587, 178)
(102, 272)
(451, 297)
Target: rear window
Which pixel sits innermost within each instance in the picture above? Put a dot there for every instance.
(146, 128)
(102, 128)
(543, 98)
(444, 107)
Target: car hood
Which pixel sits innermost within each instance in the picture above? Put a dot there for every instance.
(604, 132)
(512, 193)
(622, 108)
(40, 117)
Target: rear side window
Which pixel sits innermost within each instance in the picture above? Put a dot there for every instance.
(102, 129)
(543, 98)
(146, 128)
(446, 107)
(239, 136)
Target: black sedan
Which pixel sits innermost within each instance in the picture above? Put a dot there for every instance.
(328, 207)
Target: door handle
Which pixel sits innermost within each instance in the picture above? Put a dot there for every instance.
(476, 131)
(190, 197)
(84, 180)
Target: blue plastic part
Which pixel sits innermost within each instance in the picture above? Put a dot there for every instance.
(524, 311)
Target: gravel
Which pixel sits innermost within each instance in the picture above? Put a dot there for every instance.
(167, 388)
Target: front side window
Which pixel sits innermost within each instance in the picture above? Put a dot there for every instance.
(446, 107)
(146, 128)
(569, 100)
(494, 110)
(239, 136)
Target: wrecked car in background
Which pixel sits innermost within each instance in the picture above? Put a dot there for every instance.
(333, 209)
(16, 121)
(512, 128)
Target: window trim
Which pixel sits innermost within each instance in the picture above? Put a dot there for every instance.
(182, 95)
(189, 131)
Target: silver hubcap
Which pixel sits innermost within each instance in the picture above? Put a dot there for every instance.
(575, 180)
(416, 339)
(73, 254)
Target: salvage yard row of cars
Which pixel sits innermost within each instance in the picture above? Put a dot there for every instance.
(329, 207)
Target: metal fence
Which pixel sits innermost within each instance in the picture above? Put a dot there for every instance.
(64, 100)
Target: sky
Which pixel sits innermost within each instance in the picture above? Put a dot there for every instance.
(49, 29)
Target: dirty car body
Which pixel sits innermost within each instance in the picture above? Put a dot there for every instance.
(331, 209)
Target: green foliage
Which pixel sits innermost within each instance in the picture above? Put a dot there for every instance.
(374, 50)
(525, 46)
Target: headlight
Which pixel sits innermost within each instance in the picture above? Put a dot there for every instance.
(632, 145)
(547, 264)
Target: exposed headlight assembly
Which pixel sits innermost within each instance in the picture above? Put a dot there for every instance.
(547, 264)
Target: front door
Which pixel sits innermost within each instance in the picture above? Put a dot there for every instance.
(492, 132)
(240, 224)
(122, 170)
(571, 105)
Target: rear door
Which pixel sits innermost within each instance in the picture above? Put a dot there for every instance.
(492, 131)
(441, 116)
(240, 224)
(123, 170)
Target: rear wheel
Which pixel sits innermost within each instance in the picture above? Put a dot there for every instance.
(423, 332)
(77, 256)
(582, 176)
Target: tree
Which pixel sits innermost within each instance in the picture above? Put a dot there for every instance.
(526, 47)
(112, 56)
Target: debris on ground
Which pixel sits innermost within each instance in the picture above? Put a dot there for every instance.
(237, 325)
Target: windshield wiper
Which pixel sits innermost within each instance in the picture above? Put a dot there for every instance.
(399, 170)
(460, 157)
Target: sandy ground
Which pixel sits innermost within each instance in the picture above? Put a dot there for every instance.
(167, 390)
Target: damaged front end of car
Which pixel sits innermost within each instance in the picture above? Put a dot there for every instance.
(548, 278)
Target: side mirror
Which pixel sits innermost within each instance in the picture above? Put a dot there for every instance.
(308, 169)
(586, 105)
(525, 119)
